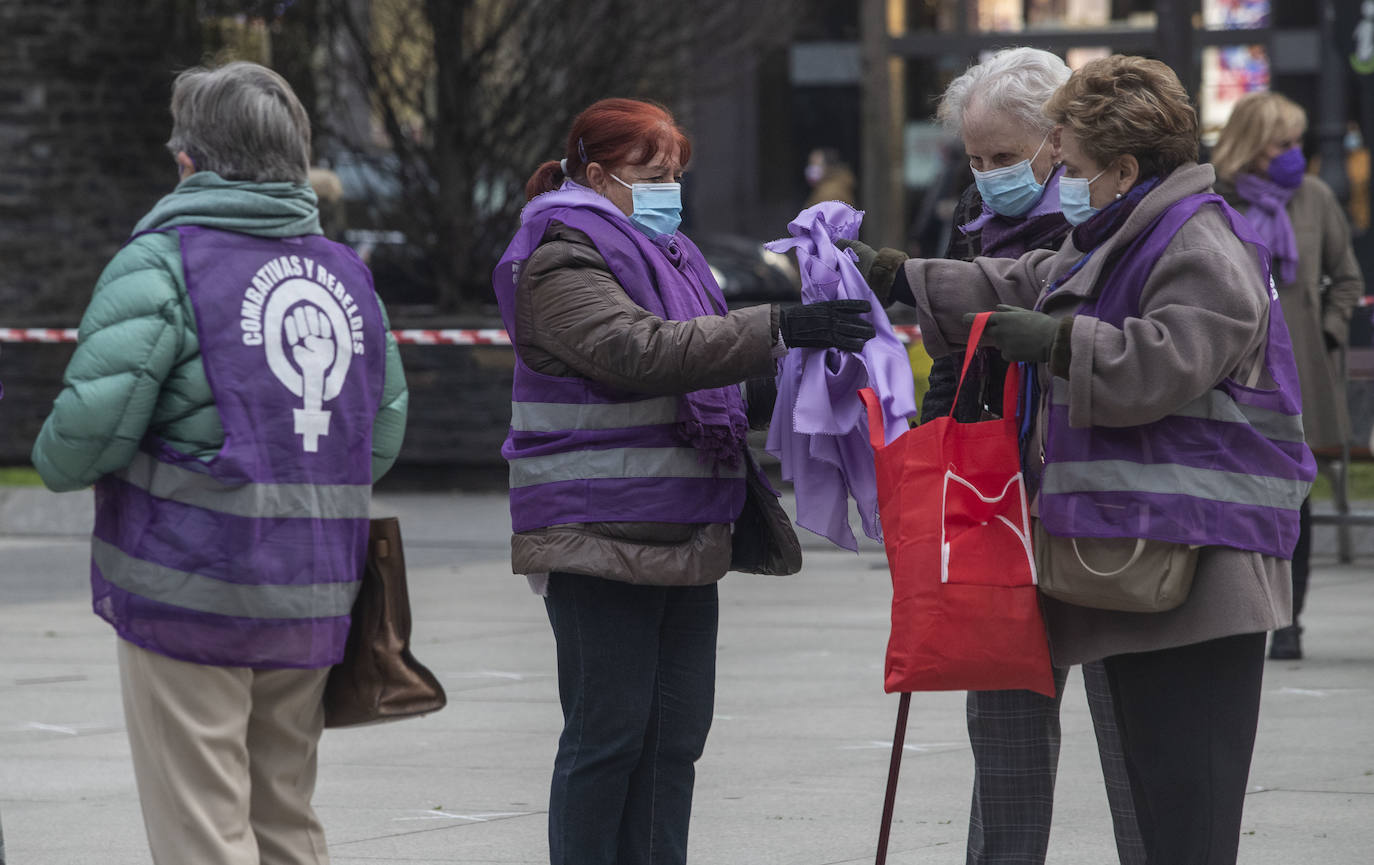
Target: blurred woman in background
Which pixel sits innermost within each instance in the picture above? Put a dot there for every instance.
(1262, 173)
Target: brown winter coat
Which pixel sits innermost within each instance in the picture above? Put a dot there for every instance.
(1203, 316)
(1314, 313)
(573, 319)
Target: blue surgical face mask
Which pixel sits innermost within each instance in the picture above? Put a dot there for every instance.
(1013, 190)
(1075, 198)
(657, 207)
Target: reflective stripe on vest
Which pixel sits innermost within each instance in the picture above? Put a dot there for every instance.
(616, 463)
(208, 595)
(555, 416)
(1173, 479)
(1218, 406)
(267, 501)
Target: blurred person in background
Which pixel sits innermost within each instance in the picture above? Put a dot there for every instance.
(629, 465)
(233, 395)
(1012, 207)
(333, 208)
(1262, 173)
(829, 177)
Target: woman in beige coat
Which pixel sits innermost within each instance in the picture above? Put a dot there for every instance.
(1165, 410)
(1261, 172)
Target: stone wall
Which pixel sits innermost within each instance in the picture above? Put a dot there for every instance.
(84, 89)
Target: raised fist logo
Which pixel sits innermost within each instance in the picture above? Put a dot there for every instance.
(309, 350)
(311, 338)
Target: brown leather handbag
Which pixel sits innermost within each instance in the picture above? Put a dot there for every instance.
(378, 678)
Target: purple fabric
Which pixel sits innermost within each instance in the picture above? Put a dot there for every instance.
(1196, 443)
(229, 548)
(1177, 519)
(627, 500)
(1288, 167)
(820, 429)
(255, 407)
(1012, 237)
(293, 412)
(203, 638)
(671, 280)
(537, 444)
(1106, 221)
(1268, 213)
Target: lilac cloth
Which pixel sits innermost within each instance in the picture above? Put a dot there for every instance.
(819, 429)
(1268, 214)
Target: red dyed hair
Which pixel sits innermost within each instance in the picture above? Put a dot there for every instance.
(613, 132)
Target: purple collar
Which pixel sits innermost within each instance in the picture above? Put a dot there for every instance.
(1109, 219)
(1048, 203)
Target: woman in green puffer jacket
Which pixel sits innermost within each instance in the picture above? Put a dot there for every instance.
(230, 518)
(137, 364)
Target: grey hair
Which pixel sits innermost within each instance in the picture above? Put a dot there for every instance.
(243, 122)
(1016, 81)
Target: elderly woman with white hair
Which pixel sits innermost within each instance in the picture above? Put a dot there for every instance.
(233, 395)
(1012, 207)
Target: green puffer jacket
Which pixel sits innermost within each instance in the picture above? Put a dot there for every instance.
(137, 366)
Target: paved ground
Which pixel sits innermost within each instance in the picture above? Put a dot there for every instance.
(794, 771)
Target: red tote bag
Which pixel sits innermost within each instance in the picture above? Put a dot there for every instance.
(956, 524)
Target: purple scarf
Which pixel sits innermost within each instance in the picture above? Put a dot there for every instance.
(1268, 214)
(1103, 224)
(820, 428)
(680, 287)
(1013, 237)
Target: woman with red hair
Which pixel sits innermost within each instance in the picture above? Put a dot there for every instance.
(632, 489)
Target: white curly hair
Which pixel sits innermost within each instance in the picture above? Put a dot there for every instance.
(1015, 81)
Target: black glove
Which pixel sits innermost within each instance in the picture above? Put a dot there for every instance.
(826, 324)
(1021, 334)
(878, 267)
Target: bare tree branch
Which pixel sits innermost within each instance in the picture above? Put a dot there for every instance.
(493, 86)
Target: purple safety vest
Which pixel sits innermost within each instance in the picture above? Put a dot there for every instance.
(580, 451)
(1230, 468)
(253, 558)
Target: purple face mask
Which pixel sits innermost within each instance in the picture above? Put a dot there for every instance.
(1287, 168)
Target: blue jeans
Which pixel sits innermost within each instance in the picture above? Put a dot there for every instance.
(636, 678)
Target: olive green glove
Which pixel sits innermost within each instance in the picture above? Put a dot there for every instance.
(878, 267)
(1021, 334)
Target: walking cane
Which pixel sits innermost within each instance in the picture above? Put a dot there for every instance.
(895, 767)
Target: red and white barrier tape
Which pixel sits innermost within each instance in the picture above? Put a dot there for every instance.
(37, 334)
(474, 336)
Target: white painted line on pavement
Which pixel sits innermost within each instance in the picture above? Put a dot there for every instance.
(919, 747)
(473, 818)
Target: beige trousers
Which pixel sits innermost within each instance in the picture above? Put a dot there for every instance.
(225, 760)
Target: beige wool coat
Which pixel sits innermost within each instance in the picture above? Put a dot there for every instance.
(1315, 311)
(572, 319)
(1204, 312)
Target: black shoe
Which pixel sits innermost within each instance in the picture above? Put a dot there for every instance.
(1286, 644)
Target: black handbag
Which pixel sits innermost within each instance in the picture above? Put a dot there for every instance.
(378, 678)
(763, 540)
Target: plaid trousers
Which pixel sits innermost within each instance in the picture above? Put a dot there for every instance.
(1015, 739)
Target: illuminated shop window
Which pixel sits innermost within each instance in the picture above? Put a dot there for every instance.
(1228, 73)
